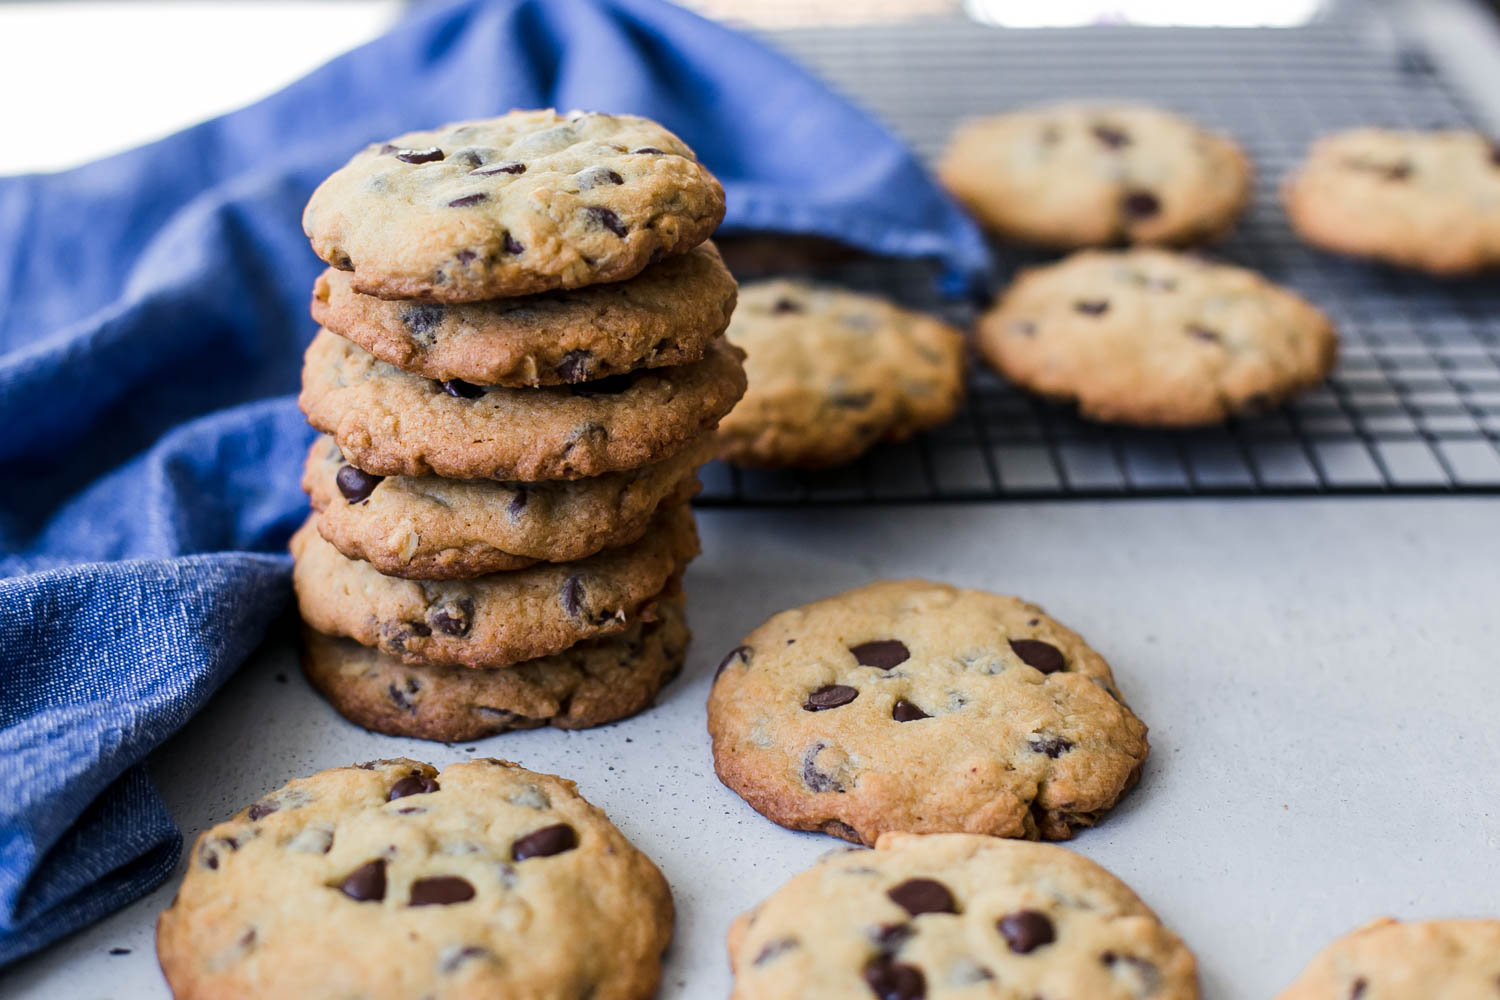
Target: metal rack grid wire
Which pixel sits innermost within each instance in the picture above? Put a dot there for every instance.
(1414, 405)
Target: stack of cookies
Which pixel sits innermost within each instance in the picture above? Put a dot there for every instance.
(520, 369)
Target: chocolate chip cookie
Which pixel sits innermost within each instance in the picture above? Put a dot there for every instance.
(957, 915)
(522, 203)
(1076, 175)
(1390, 960)
(392, 880)
(832, 372)
(393, 423)
(429, 528)
(1427, 200)
(495, 620)
(922, 708)
(588, 685)
(668, 314)
(1151, 337)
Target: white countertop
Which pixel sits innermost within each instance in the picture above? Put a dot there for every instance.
(1319, 676)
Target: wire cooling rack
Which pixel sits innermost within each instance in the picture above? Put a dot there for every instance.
(1414, 405)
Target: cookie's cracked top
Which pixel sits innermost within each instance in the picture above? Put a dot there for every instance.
(394, 880)
(918, 707)
(953, 916)
(522, 203)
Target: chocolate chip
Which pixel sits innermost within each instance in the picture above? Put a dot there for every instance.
(775, 949)
(544, 843)
(820, 781)
(895, 980)
(343, 262)
(572, 595)
(356, 484)
(511, 246)
(508, 167)
(431, 155)
(468, 200)
(890, 937)
(1398, 172)
(466, 256)
(1052, 746)
(651, 150)
(422, 317)
(518, 500)
(1026, 931)
(905, 711)
(882, 653)
(610, 385)
(923, 895)
(595, 176)
(741, 653)
(460, 389)
(1042, 655)
(366, 884)
(1092, 307)
(454, 617)
(1141, 204)
(606, 218)
(119, 951)
(1358, 990)
(209, 853)
(829, 696)
(576, 366)
(786, 305)
(440, 890)
(264, 807)
(1203, 333)
(412, 784)
(1112, 137)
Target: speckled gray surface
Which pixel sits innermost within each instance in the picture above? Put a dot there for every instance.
(1319, 677)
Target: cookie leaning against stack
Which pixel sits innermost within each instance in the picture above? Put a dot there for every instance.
(521, 366)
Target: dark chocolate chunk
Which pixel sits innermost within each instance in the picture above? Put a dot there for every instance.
(453, 618)
(419, 155)
(441, 890)
(356, 484)
(829, 696)
(1052, 746)
(923, 895)
(1042, 655)
(905, 711)
(882, 653)
(508, 167)
(412, 784)
(1112, 137)
(264, 807)
(576, 366)
(366, 884)
(468, 200)
(1092, 307)
(891, 980)
(543, 843)
(606, 218)
(1141, 204)
(740, 653)
(460, 389)
(1026, 931)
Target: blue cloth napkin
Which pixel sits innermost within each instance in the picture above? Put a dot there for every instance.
(155, 312)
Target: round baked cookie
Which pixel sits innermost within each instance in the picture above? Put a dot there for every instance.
(430, 528)
(918, 707)
(957, 915)
(392, 880)
(667, 315)
(1427, 200)
(1390, 960)
(832, 372)
(1076, 175)
(1155, 338)
(495, 620)
(393, 423)
(523, 203)
(587, 685)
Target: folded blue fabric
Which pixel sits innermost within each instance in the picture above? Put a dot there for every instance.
(154, 319)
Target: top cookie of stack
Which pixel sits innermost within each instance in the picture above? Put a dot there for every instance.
(521, 365)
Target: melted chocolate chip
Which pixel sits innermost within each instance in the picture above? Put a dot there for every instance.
(892, 980)
(1203, 333)
(595, 177)
(775, 949)
(366, 884)
(460, 389)
(511, 246)
(923, 895)
(905, 711)
(419, 155)
(829, 696)
(1141, 204)
(508, 167)
(468, 200)
(821, 781)
(1052, 746)
(356, 484)
(401, 698)
(518, 500)
(1026, 931)
(649, 150)
(1092, 307)
(412, 784)
(740, 653)
(264, 807)
(544, 843)
(881, 653)
(1112, 137)
(466, 256)
(441, 890)
(606, 218)
(454, 618)
(572, 595)
(1042, 655)
(576, 366)
(422, 317)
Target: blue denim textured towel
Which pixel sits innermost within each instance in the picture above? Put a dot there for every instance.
(154, 315)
